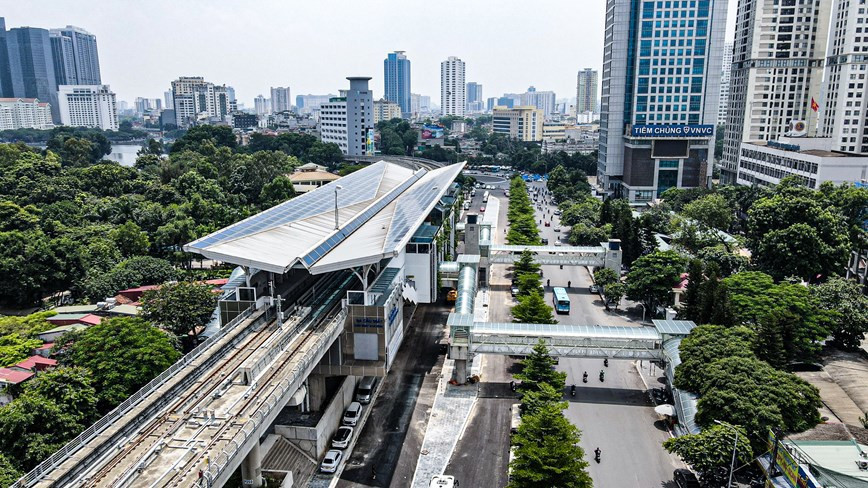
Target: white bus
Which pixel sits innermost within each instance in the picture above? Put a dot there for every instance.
(485, 197)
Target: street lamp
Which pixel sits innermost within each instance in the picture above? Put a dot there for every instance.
(734, 447)
(337, 187)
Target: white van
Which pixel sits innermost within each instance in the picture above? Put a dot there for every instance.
(353, 414)
(365, 391)
(443, 481)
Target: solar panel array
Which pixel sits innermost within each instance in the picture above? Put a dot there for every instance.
(312, 257)
(412, 206)
(357, 187)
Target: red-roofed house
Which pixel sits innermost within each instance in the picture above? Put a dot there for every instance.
(35, 364)
(11, 377)
(133, 295)
(87, 319)
(44, 350)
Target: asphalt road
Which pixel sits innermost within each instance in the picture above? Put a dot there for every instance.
(392, 437)
(615, 415)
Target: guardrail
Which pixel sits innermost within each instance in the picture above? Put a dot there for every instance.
(299, 373)
(95, 429)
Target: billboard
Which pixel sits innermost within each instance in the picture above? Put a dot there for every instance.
(673, 130)
(369, 142)
(432, 131)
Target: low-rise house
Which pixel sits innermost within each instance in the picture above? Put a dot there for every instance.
(86, 319)
(52, 334)
(35, 364)
(10, 378)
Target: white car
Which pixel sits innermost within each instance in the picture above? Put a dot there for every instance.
(558, 242)
(331, 461)
(342, 437)
(352, 414)
(557, 229)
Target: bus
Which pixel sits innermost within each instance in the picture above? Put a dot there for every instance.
(485, 197)
(561, 300)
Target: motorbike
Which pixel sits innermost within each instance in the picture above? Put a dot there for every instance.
(585, 377)
(602, 375)
(606, 362)
(597, 453)
(573, 390)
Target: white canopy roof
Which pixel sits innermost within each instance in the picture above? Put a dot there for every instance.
(379, 208)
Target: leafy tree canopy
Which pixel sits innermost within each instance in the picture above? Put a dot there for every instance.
(181, 308)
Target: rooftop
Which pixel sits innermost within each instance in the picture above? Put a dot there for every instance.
(379, 207)
(13, 377)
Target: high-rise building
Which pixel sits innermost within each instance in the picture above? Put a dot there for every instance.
(5, 72)
(280, 99)
(453, 99)
(76, 59)
(543, 100)
(167, 100)
(260, 104)
(198, 101)
(396, 76)
(419, 104)
(386, 110)
(31, 66)
(660, 88)
(308, 103)
(777, 68)
(348, 120)
(475, 103)
(490, 104)
(522, 123)
(24, 113)
(586, 91)
(724, 84)
(507, 102)
(88, 106)
(843, 106)
(145, 105)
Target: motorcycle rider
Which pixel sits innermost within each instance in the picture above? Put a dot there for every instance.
(585, 377)
(597, 453)
(573, 390)
(606, 362)
(602, 375)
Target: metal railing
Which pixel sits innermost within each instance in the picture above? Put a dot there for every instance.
(285, 388)
(95, 429)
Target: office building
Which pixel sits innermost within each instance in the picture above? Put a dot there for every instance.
(522, 123)
(543, 100)
(31, 66)
(507, 102)
(396, 76)
(88, 106)
(306, 104)
(198, 101)
(419, 104)
(145, 105)
(386, 110)
(453, 99)
(490, 103)
(810, 159)
(168, 103)
(76, 60)
(724, 84)
(280, 99)
(261, 105)
(348, 120)
(5, 71)
(586, 91)
(475, 103)
(777, 68)
(660, 87)
(24, 113)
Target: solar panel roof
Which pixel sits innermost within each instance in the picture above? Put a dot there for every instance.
(674, 327)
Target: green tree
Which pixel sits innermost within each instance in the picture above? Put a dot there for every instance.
(532, 401)
(275, 192)
(712, 213)
(847, 307)
(130, 239)
(533, 309)
(27, 326)
(181, 308)
(706, 344)
(710, 452)
(136, 271)
(652, 278)
(14, 349)
(539, 368)
(547, 452)
(614, 293)
(123, 354)
(529, 283)
(605, 276)
(691, 303)
(8, 473)
(526, 264)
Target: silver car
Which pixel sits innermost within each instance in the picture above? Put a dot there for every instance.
(331, 461)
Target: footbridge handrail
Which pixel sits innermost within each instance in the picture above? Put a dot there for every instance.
(116, 413)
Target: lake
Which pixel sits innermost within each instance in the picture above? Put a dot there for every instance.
(124, 153)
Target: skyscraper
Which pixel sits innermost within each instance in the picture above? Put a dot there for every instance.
(586, 91)
(396, 76)
(260, 104)
(724, 84)
(31, 66)
(5, 73)
(280, 100)
(76, 60)
(168, 101)
(543, 100)
(661, 80)
(777, 68)
(474, 97)
(453, 99)
(196, 100)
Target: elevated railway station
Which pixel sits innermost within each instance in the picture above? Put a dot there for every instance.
(325, 279)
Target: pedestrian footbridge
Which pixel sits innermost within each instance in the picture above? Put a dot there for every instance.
(595, 256)
(573, 341)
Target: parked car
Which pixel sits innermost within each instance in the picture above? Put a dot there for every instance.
(366, 386)
(331, 461)
(558, 242)
(342, 437)
(443, 481)
(353, 413)
(557, 212)
(514, 289)
(545, 241)
(557, 229)
(684, 478)
(594, 289)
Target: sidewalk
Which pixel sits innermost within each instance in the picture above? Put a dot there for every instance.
(449, 416)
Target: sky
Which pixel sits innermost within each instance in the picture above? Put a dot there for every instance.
(312, 46)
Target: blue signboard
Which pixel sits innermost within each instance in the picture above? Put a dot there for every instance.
(673, 130)
(392, 314)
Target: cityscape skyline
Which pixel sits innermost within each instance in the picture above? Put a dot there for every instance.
(515, 64)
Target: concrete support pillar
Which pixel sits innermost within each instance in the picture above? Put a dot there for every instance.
(316, 391)
(459, 374)
(251, 468)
